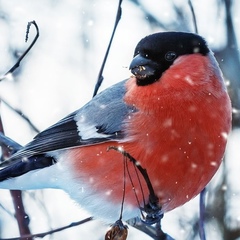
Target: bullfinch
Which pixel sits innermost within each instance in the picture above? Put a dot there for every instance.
(172, 116)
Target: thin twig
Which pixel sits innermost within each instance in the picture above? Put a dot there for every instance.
(124, 187)
(20, 214)
(100, 74)
(201, 213)
(193, 16)
(42, 235)
(17, 64)
(134, 190)
(142, 170)
(152, 208)
(22, 115)
(28, 49)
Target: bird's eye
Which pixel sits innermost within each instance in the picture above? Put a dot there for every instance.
(170, 56)
(146, 55)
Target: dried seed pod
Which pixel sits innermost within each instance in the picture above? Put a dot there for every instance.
(118, 231)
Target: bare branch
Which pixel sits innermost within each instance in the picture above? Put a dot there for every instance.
(22, 115)
(100, 76)
(20, 214)
(42, 235)
(202, 213)
(17, 64)
(193, 16)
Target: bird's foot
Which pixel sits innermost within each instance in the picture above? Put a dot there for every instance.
(151, 214)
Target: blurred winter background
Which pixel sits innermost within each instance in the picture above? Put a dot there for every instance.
(59, 74)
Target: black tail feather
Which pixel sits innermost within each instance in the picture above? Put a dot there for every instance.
(23, 166)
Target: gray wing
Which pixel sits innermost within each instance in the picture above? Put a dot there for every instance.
(100, 120)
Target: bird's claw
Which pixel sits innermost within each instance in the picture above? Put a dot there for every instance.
(151, 213)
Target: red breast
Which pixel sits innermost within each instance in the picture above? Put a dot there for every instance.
(178, 135)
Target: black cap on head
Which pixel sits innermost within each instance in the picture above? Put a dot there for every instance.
(155, 53)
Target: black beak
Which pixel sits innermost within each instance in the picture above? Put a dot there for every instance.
(138, 60)
(142, 67)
